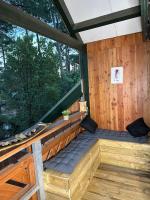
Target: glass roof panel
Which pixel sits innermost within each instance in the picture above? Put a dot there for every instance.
(44, 10)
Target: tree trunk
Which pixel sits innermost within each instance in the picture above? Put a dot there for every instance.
(58, 45)
(27, 34)
(38, 43)
(68, 59)
(3, 55)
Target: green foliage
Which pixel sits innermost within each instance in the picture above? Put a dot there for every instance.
(30, 80)
(68, 80)
(66, 112)
(43, 10)
(35, 72)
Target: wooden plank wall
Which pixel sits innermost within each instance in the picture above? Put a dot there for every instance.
(75, 107)
(115, 106)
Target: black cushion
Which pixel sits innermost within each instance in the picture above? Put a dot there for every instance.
(138, 128)
(89, 124)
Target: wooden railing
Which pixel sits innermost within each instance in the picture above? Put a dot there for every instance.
(28, 170)
(51, 128)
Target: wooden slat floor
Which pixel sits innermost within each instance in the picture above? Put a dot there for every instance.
(50, 196)
(116, 183)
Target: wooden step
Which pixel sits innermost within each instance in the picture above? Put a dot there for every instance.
(132, 176)
(54, 197)
(95, 196)
(115, 183)
(125, 170)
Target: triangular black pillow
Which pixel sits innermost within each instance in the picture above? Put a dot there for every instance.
(89, 124)
(138, 128)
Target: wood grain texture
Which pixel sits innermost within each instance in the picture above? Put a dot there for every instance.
(75, 107)
(113, 183)
(115, 106)
(23, 172)
(51, 128)
(124, 169)
(125, 154)
(72, 186)
(54, 145)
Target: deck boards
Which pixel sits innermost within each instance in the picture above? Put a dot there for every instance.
(116, 183)
(50, 196)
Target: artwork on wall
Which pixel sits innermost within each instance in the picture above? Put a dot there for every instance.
(116, 75)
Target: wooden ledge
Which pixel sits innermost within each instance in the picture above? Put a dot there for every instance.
(49, 130)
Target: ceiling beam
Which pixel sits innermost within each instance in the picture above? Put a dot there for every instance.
(108, 19)
(62, 9)
(20, 18)
(65, 14)
(145, 15)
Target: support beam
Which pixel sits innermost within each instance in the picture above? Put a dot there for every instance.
(145, 15)
(17, 17)
(108, 19)
(64, 12)
(73, 95)
(62, 9)
(84, 75)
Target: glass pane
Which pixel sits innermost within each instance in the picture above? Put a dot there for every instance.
(44, 10)
(35, 73)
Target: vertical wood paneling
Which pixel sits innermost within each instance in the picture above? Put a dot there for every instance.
(115, 106)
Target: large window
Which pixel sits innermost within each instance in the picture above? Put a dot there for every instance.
(44, 10)
(35, 73)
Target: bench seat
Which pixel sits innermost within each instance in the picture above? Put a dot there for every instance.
(122, 136)
(72, 180)
(125, 151)
(67, 159)
(70, 171)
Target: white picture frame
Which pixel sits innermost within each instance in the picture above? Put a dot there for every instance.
(117, 75)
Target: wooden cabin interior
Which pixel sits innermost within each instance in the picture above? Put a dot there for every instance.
(65, 159)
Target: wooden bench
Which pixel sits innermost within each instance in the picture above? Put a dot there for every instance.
(125, 154)
(72, 186)
(62, 185)
(104, 149)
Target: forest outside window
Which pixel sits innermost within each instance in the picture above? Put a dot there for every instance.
(35, 73)
(43, 10)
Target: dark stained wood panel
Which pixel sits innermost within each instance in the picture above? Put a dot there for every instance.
(115, 106)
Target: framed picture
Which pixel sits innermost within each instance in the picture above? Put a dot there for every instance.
(116, 75)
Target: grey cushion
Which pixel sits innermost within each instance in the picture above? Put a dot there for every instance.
(67, 159)
(123, 136)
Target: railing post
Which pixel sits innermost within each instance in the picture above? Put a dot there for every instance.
(38, 164)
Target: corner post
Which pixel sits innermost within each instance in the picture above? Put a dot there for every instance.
(84, 75)
(145, 16)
